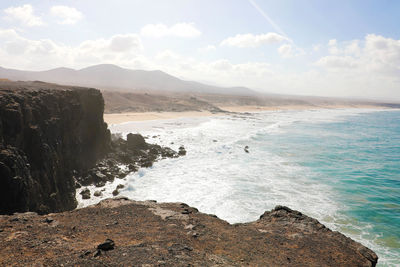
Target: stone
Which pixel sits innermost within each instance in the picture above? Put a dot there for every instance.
(48, 220)
(182, 151)
(97, 253)
(136, 141)
(100, 184)
(97, 194)
(107, 245)
(85, 193)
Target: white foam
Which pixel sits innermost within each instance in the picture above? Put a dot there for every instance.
(217, 176)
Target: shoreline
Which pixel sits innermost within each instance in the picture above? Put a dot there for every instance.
(118, 118)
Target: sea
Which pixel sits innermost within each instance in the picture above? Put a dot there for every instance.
(340, 166)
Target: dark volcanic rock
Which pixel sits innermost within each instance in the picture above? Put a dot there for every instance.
(136, 141)
(44, 136)
(53, 139)
(131, 152)
(107, 245)
(115, 192)
(85, 193)
(182, 151)
(174, 234)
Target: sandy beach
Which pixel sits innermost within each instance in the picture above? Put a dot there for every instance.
(116, 118)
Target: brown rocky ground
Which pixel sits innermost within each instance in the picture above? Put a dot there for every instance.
(172, 234)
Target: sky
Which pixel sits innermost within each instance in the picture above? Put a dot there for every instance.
(328, 48)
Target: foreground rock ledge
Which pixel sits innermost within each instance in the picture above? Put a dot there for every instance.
(172, 234)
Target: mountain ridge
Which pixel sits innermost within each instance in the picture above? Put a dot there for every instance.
(113, 78)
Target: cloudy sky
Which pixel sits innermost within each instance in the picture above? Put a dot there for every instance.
(310, 47)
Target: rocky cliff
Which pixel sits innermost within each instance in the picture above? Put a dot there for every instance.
(120, 232)
(47, 132)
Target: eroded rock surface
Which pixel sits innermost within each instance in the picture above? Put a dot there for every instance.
(45, 135)
(53, 139)
(173, 234)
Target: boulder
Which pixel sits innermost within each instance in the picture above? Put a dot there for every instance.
(136, 141)
(85, 193)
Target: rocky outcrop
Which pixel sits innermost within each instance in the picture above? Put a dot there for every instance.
(53, 140)
(132, 154)
(46, 135)
(120, 232)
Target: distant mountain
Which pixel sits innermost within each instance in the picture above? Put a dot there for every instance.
(112, 77)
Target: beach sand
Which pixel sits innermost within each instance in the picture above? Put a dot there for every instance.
(116, 118)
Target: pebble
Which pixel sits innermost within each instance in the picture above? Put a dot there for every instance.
(48, 220)
(97, 253)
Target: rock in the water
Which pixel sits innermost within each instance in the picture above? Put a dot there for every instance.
(107, 245)
(246, 149)
(115, 192)
(182, 151)
(85, 193)
(136, 141)
(100, 184)
(97, 194)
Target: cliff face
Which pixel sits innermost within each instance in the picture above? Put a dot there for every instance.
(45, 135)
(172, 234)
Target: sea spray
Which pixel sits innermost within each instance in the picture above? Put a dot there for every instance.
(339, 166)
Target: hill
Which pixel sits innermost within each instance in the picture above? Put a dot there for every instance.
(114, 78)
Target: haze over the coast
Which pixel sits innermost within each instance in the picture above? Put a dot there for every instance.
(199, 133)
(347, 49)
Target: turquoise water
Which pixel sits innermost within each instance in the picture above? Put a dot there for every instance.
(341, 167)
(359, 158)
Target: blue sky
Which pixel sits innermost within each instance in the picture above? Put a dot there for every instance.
(329, 48)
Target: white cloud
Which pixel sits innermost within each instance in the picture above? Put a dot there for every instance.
(337, 62)
(372, 56)
(316, 47)
(285, 50)
(168, 56)
(251, 40)
(208, 48)
(332, 42)
(289, 51)
(68, 15)
(353, 48)
(24, 14)
(184, 30)
(367, 68)
(126, 42)
(333, 47)
(24, 53)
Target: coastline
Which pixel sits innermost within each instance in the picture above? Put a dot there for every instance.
(117, 118)
(189, 234)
